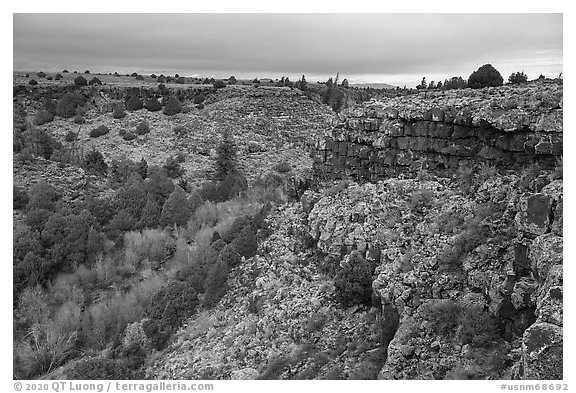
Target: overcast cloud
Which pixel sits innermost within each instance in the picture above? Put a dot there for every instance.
(390, 48)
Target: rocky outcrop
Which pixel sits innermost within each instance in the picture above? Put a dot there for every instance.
(503, 284)
(507, 126)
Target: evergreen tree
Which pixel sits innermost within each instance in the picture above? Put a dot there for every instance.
(353, 282)
(143, 168)
(176, 209)
(158, 185)
(122, 222)
(132, 196)
(153, 105)
(518, 77)
(302, 84)
(226, 157)
(215, 286)
(246, 244)
(485, 76)
(66, 233)
(150, 215)
(42, 196)
(172, 107)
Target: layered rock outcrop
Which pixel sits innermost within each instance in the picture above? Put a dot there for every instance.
(508, 126)
(475, 275)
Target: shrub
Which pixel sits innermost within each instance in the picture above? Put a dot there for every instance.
(142, 128)
(39, 142)
(282, 167)
(128, 136)
(67, 104)
(173, 168)
(215, 286)
(198, 99)
(71, 136)
(172, 304)
(421, 200)
(106, 320)
(236, 228)
(485, 76)
(19, 198)
(153, 105)
(58, 77)
(134, 103)
(99, 131)
(118, 112)
(195, 273)
(139, 78)
(176, 210)
(246, 244)
(79, 119)
(172, 107)
(474, 235)
(233, 185)
(42, 118)
(158, 185)
(100, 368)
(228, 254)
(353, 282)
(225, 161)
(80, 81)
(42, 196)
(150, 244)
(210, 192)
(441, 315)
(518, 77)
(32, 82)
(95, 81)
(219, 84)
(41, 74)
(180, 130)
(476, 326)
(36, 219)
(94, 161)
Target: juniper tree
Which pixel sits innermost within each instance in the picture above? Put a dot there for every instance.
(225, 161)
(176, 209)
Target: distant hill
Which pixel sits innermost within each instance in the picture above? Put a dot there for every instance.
(373, 85)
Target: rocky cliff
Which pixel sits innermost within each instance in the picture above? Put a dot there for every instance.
(509, 126)
(474, 273)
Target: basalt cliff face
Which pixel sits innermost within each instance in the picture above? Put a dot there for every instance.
(469, 279)
(508, 126)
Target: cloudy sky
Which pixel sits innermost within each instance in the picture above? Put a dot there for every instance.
(392, 48)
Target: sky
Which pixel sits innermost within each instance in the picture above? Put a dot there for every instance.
(398, 49)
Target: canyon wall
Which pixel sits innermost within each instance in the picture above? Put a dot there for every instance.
(508, 126)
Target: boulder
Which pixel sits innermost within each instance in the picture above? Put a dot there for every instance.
(545, 252)
(541, 352)
(550, 308)
(535, 213)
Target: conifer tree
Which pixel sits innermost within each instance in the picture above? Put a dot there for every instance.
(226, 157)
(176, 209)
(150, 214)
(215, 286)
